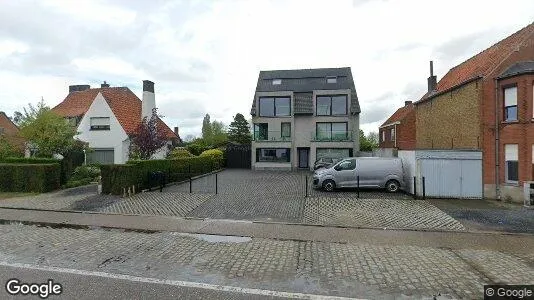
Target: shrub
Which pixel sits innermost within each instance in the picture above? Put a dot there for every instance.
(180, 153)
(7, 149)
(24, 177)
(75, 183)
(117, 177)
(85, 172)
(30, 160)
(213, 153)
(196, 148)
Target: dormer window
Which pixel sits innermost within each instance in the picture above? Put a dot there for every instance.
(99, 123)
(331, 79)
(277, 81)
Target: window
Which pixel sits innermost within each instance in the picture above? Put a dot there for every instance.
(349, 164)
(510, 104)
(99, 123)
(286, 130)
(392, 134)
(511, 163)
(331, 79)
(331, 105)
(333, 153)
(277, 81)
(261, 132)
(2, 130)
(275, 106)
(331, 131)
(383, 135)
(273, 155)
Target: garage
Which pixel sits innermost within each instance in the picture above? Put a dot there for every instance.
(450, 174)
(101, 156)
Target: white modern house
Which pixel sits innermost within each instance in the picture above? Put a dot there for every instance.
(107, 118)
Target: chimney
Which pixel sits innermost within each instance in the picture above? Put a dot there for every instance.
(406, 103)
(104, 85)
(149, 99)
(79, 88)
(432, 80)
(176, 131)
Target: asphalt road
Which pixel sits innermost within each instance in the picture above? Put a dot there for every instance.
(78, 284)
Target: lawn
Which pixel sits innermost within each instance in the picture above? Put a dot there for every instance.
(6, 195)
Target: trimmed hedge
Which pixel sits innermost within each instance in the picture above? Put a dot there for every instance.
(24, 177)
(138, 172)
(30, 160)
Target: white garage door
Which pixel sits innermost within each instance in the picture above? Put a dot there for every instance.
(452, 178)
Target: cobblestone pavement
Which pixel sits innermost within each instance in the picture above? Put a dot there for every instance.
(377, 213)
(59, 200)
(353, 270)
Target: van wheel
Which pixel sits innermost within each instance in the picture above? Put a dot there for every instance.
(392, 186)
(329, 185)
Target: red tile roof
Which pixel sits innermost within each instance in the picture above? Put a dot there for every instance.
(399, 115)
(484, 62)
(123, 102)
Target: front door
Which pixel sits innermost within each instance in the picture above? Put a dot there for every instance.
(304, 154)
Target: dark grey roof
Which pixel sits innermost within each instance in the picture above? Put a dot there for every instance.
(522, 67)
(304, 82)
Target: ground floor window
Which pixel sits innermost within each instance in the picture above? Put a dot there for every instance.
(273, 155)
(333, 152)
(511, 167)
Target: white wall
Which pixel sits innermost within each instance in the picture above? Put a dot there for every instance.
(408, 164)
(162, 152)
(108, 139)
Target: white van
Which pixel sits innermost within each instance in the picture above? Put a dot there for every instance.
(373, 172)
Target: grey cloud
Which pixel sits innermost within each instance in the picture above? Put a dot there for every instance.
(464, 46)
(183, 109)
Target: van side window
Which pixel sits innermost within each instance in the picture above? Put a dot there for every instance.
(347, 165)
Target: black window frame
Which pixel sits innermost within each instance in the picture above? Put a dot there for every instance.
(258, 133)
(331, 135)
(330, 107)
(287, 158)
(99, 127)
(275, 98)
(511, 165)
(507, 108)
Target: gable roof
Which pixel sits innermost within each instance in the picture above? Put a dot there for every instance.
(304, 82)
(7, 124)
(483, 63)
(126, 107)
(399, 115)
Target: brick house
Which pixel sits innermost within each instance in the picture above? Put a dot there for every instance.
(486, 104)
(10, 132)
(398, 131)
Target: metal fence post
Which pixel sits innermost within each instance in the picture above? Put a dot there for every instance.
(306, 186)
(216, 184)
(424, 192)
(415, 188)
(190, 186)
(358, 181)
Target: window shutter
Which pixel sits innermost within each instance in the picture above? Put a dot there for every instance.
(510, 96)
(510, 152)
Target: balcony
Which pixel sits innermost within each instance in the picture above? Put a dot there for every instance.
(332, 136)
(271, 136)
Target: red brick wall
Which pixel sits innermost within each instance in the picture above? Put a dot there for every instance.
(406, 132)
(521, 133)
(387, 143)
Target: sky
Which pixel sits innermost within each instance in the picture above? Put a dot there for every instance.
(205, 56)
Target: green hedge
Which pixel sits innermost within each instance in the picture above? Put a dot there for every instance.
(25, 177)
(30, 160)
(137, 172)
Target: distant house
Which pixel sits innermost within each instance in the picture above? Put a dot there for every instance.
(107, 118)
(10, 132)
(301, 115)
(479, 119)
(398, 131)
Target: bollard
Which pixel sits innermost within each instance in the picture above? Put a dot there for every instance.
(216, 184)
(306, 184)
(358, 182)
(190, 186)
(424, 192)
(415, 188)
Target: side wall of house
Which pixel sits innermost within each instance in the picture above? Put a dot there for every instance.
(450, 120)
(406, 132)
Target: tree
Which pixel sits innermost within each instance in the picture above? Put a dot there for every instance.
(206, 128)
(30, 114)
(148, 138)
(7, 149)
(365, 144)
(372, 137)
(239, 130)
(48, 132)
(218, 133)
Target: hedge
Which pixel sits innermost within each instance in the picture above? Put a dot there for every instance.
(137, 172)
(68, 164)
(24, 177)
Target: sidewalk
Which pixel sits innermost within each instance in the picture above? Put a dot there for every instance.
(510, 243)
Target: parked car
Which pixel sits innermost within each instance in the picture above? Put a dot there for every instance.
(325, 162)
(373, 172)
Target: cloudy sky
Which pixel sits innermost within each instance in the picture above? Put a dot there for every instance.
(204, 56)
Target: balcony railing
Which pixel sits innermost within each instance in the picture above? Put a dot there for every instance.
(332, 136)
(271, 136)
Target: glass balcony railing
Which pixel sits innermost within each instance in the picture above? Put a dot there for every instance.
(332, 136)
(271, 136)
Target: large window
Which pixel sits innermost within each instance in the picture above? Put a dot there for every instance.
(331, 105)
(510, 104)
(511, 163)
(285, 130)
(333, 152)
(275, 106)
(332, 131)
(261, 131)
(273, 155)
(99, 123)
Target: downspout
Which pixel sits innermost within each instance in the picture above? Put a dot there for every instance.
(497, 185)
